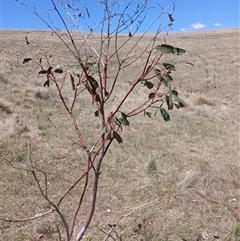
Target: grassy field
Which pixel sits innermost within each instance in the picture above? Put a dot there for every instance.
(185, 173)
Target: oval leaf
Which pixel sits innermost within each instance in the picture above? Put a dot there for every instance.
(165, 48)
(179, 51)
(177, 106)
(60, 71)
(118, 122)
(148, 84)
(124, 119)
(117, 137)
(169, 98)
(157, 71)
(176, 98)
(96, 113)
(165, 114)
(93, 82)
(164, 81)
(43, 71)
(169, 67)
(151, 95)
(169, 103)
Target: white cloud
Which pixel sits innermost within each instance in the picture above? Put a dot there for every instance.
(183, 29)
(198, 25)
(218, 25)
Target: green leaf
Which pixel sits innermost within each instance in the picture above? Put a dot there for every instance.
(49, 70)
(58, 70)
(42, 71)
(26, 60)
(174, 92)
(148, 84)
(90, 64)
(93, 82)
(118, 122)
(165, 48)
(169, 102)
(179, 51)
(116, 136)
(176, 98)
(47, 82)
(124, 119)
(97, 98)
(169, 97)
(149, 114)
(171, 19)
(169, 77)
(96, 113)
(106, 93)
(164, 81)
(72, 82)
(169, 67)
(151, 95)
(168, 49)
(165, 114)
(157, 71)
(177, 106)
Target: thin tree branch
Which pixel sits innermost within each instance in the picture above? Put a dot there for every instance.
(232, 210)
(38, 215)
(45, 195)
(81, 196)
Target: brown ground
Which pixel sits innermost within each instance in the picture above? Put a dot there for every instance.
(186, 171)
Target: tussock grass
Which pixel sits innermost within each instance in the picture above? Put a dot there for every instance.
(168, 163)
(204, 101)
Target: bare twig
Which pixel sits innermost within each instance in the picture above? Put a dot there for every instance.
(129, 214)
(15, 167)
(234, 212)
(38, 215)
(78, 206)
(45, 194)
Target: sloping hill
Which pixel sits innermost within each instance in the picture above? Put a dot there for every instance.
(186, 171)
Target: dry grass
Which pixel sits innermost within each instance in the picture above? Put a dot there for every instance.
(172, 164)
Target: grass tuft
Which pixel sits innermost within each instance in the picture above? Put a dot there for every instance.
(40, 95)
(152, 167)
(236, 233)
(204, 101)
(5, 108)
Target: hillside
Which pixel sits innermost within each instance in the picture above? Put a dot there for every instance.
(186, 171)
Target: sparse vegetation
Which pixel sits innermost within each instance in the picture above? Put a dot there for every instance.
(204, 101)
(5, 108)
(207, 147)
(152, 166)
(236, 233)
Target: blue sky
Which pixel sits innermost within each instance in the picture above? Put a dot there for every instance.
(189, 15)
